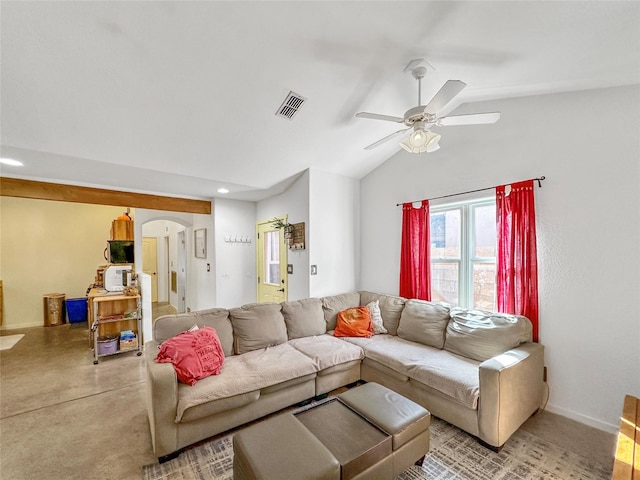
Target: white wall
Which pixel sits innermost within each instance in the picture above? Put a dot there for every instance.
(294, 203)
(201, 277)
(588, 214)
(334, 233)
(235, 267)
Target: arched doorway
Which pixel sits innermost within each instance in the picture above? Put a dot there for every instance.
(163, 259)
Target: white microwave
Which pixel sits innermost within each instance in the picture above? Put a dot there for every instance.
(116, 277)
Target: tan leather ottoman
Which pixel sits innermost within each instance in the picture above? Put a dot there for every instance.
(367, 433)
(281, 448)
(406, 421)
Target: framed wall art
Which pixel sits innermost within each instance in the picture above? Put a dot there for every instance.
(200, 242)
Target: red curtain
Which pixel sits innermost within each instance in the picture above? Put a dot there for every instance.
(415, 253)
(517, 261)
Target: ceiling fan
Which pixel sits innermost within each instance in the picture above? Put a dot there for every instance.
(420, 119)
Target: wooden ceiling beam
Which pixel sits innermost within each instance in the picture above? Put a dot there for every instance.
(15, 187)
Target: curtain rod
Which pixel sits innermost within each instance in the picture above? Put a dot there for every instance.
(539, 180)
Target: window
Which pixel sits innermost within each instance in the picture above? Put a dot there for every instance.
(272, 257)
(463, 254)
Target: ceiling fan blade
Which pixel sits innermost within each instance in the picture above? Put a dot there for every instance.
(470, 119)
(444, 96)
(376, 116)
(388, 137)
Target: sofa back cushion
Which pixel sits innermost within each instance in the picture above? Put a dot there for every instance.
(424, 322)
(481, 335)
(304, 318)
(169, 326)
(257, 325)
(337, 303)
(390, 308)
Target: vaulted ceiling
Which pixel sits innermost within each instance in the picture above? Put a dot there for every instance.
(180, 97)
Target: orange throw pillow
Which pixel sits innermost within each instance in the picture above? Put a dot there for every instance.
(354, 322)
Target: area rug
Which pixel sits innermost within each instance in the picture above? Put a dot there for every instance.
(454, 455)
(8, 341)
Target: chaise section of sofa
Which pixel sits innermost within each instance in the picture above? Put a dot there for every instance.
(268, 375)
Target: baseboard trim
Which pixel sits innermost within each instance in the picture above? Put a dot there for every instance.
(24, 325)
(578, 417)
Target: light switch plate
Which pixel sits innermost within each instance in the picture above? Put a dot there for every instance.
(290, 269)
(314, 269)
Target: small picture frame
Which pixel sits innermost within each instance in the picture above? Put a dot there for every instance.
(200, 243)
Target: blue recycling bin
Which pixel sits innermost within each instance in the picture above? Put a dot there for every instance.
(76, 310)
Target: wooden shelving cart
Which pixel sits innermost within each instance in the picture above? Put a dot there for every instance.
(113, 314)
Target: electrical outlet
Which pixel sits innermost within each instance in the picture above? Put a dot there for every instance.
(290, 269)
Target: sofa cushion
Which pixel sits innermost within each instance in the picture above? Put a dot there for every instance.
(169, 326)
(424, 322)
(482, 335)
(354, 322)
(450, 374)
(390, 308)
(196, 412)
(376, 317)
(336, 303)
(327, 351)
(246, 373)
(363, 341)
(194, 354)
(304, 318)
(257, 325)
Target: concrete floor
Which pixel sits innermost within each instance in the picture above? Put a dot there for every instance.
(62, 417)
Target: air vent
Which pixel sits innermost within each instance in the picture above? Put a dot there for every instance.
(290, 106)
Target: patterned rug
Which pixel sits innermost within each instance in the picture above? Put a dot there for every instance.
(453, 455)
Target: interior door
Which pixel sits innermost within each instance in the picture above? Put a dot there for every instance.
(150, 263)
(272, 262)
(182, 273)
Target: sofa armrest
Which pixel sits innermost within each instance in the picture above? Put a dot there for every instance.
(162, 402)
(511, 389)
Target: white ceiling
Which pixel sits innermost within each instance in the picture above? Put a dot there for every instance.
(180, 97)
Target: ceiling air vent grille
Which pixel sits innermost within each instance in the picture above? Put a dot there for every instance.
(291, 105)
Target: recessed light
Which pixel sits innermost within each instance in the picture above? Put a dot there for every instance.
(11, 162)
(223, 190)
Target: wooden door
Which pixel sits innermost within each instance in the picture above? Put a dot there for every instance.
(271, 263)
(150, 263)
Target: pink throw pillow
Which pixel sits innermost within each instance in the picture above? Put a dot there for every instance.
(194, 354)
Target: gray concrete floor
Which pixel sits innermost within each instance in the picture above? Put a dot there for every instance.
(62, 417)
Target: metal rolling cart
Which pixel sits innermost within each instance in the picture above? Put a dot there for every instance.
(113, 315)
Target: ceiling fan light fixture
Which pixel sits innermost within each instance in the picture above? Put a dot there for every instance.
(421, 141)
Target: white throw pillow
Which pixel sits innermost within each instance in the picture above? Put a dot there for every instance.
(376, 317)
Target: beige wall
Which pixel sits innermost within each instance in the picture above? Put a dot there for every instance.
(46, 247)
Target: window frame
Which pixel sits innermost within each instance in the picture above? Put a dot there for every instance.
(467, 258)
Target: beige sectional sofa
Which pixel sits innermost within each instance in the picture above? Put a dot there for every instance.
(478, 372)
